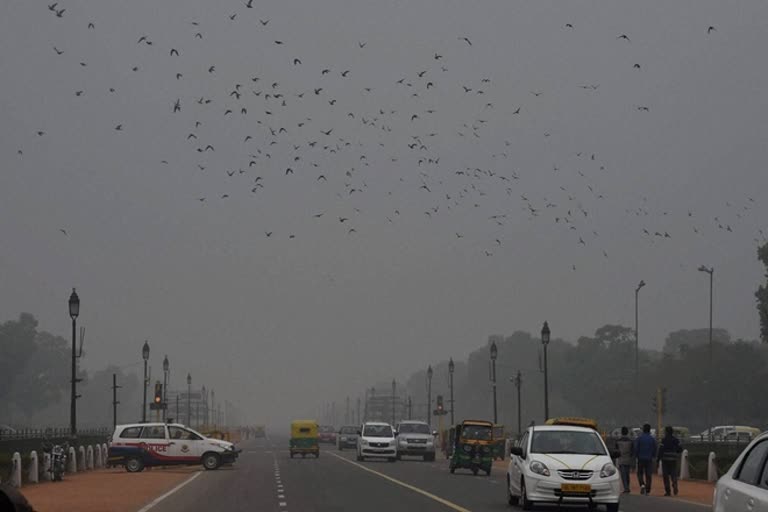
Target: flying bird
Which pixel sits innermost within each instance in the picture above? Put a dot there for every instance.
(174, 51)
(711, 29)
(623, 36)
(466, 39)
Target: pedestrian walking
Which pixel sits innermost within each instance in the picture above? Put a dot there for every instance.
(669, 451)
(645, 452)
(626, 449)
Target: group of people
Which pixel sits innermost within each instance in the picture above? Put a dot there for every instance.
(644, 451)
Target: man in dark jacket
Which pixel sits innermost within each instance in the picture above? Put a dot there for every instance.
(645, 451)
(669, 450)
(626, 449)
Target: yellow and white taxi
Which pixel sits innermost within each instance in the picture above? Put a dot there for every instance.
(562, 464)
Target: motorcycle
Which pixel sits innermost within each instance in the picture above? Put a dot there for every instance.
(58, 465)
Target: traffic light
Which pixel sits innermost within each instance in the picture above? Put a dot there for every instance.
(158, 393)
(440, 404)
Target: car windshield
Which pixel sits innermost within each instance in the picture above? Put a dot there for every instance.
(348, 430)
(477, 432)
(566, 441)
(327, 430)
(377, 431)
(414, 428)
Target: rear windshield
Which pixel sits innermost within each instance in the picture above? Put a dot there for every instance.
(326, 428)
(414, 428)
(582, 443)
(477, 432)
(377, 431)
(348, 430)
(130, 433)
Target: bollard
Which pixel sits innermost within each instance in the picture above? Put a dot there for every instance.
(89, 457)
(104, 454)
(685, 470)
(34, 471)
(16, 470)
(80, 458)
(71, 461)
(711, 468)
(47, 467)
(659, 469)
(98, 462)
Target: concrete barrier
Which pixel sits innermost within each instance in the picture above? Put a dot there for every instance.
(46, 467)
(712, 467)
(71, 460)
(81, 458)
(685, 469)
(16, 470)
(89, 457)
(99, 462)
(34, 469)
(659, 469)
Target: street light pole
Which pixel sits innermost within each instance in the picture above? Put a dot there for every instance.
(637, 343)
(711, 272)
(451, 368)
(494, 354)
(518, 384)
(114, 400)
(429, 396)
(189, 399)
(74, 312)
(204, 396)
(545, 341)
(145, 356)
(393, 401)
(166, 371)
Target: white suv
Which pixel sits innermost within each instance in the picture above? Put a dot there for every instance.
(377, 440)
(562, 464)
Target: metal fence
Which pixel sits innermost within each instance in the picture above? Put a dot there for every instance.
(57, 432)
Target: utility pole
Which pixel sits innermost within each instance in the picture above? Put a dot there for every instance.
(358, 422)
(346, 413)
(115, 387)
(394, 387)
(410, 408)
(518, 384)
(637, 329)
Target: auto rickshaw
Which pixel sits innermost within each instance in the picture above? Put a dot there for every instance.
(499, 440)
(473, 446)
(304, 438)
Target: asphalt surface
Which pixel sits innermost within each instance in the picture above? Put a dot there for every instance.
(266, 479)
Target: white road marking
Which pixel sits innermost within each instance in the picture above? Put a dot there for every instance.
(283, 504)
(429, 495)
(157, 500)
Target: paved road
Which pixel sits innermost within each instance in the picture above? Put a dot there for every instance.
(266, 479)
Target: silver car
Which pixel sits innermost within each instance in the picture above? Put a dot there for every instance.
(347, 437)
(745, 486)
(415, 438)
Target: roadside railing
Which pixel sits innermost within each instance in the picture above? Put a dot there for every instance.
(51, 432)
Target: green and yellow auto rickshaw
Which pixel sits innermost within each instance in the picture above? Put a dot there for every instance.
(473, 446)
(304, 438)
(499, 440)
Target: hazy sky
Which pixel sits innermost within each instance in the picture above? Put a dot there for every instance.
(491, 221)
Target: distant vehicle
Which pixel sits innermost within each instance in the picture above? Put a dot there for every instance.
(415, 438)
(744, 486)
(304, 438)
(141, 445)
(347, 437)
(724, 433)
(472, 447)
(5, 430)
(327, 434)
(259, 431)
(562, 464)
(376, 439)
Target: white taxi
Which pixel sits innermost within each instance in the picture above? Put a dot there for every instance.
(140, 445)
(562, 464)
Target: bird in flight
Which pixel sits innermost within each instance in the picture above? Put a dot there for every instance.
(249, 4)
(624, 36)
(361, 44)
(177, 105)
(119, 127)
(174, 51)
(58, 52)
(263, 22)
(466, 39)
(711, 29)
(64, 231)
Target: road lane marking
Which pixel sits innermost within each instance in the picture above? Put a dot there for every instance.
(161, 498)
(428, 494)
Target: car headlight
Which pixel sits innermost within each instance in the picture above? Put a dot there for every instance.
(364, 442)
(467, 448)
(539, 468)
(608, 470)
(403, 441)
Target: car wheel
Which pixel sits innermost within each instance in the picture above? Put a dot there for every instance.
(612, 507)
(211, 461)
(134, 465)
(525, 502)
(512, 500)
(474, 471)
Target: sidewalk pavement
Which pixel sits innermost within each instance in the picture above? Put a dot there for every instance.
(105, 490)
(696, 491)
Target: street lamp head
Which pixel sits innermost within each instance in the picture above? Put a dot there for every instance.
(708, 270)
(640, 284)
(145, 351)
(189, 379)
(166, 364)
(429, 372)
(545, 333)
(451, 366)
(74, 305)
(494, 351)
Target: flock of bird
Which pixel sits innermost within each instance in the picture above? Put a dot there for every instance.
(347, 145)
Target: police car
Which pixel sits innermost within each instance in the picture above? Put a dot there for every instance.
(564, 462)
(140, 445)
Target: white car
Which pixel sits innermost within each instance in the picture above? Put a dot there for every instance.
(745, 486)
(377, 440)
(562, 464)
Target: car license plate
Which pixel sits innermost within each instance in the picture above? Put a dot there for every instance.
(576, 488)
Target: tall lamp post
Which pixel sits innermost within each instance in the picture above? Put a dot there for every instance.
(205, 403)
(545, 341)
(711, 272)
(451, 368)
(145, 356)
(637, 330)
(429, 395)
(189, 399)
(394, 388)
(518, 380)
(494, 355)
(74, 312)
(166, 370)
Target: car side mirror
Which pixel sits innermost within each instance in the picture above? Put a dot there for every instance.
(434, 432)
(516, 450)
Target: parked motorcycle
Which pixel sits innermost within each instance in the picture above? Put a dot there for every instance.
(58, 464)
